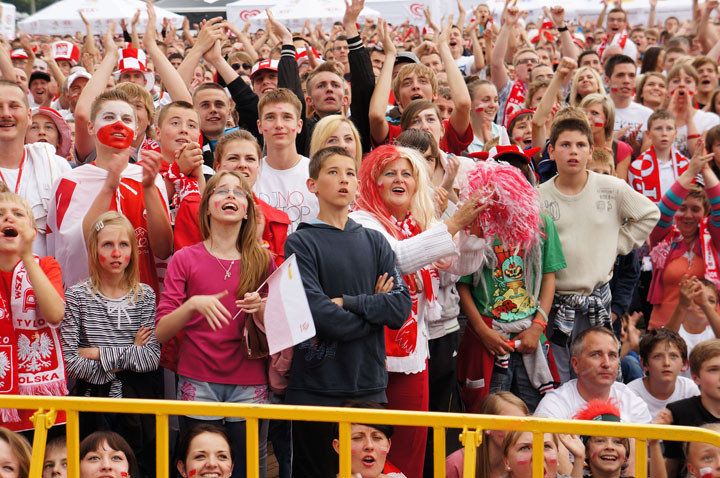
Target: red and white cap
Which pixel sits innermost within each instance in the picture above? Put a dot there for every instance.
(19, 54)
(63, 128)
(301, 55)
(64, 50)
(132, 59)
(271, 65)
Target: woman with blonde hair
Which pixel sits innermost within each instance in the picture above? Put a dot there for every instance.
(652, 90)
(585, 81)
(395, 199)
(600, 112)
(336, 130)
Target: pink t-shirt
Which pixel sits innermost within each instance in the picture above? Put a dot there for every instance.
(207, 355)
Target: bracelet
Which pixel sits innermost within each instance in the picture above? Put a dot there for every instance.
(563, 29)
(542, 312)
(693, 136)
(540, 322)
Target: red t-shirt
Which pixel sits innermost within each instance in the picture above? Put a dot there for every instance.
(451, 142)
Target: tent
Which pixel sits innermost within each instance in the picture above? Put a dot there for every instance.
(241, 11)
(61, 18)
(397, 12)
(196, 10)
(294, 13)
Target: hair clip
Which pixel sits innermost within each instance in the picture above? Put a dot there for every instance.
(99, 226)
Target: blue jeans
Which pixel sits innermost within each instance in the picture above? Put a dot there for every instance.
(515, 379)
(631, 368)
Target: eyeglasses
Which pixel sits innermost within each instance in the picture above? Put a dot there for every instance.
(238, 193)
(529, 61)
(244, 66)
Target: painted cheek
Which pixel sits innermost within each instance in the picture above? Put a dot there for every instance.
(192, 472)
(384, 450)
(102, 259)
(216, 204)
(106, 135)
(126, 259)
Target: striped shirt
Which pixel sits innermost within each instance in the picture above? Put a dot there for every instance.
(93, 320)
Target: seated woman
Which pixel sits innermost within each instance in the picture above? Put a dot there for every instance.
(205, 449)
(688, 245)
(106, 453)
(369, 447)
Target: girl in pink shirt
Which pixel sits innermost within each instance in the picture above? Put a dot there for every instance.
(210, 292)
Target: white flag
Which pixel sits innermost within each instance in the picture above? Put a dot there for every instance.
(288, 320)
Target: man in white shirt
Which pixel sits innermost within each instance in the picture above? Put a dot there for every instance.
(595, 360)
(283, 172)
(620, 72)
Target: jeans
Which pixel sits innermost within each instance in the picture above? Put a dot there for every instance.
(631, 368)
(515, 379)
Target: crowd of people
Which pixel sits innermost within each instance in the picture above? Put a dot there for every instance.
(152, 181)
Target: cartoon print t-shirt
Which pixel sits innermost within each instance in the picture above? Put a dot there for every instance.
(506, 297)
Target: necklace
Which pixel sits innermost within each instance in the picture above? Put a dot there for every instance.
(228, 270)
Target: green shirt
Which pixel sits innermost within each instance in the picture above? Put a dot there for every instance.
(506, 298)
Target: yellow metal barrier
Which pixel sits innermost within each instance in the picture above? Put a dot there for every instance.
(472, 426)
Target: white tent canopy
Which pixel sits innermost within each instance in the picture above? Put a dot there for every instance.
(61, 18)
(7, 20)
(294, 13)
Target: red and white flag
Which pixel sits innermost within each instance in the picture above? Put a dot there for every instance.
(288, 320)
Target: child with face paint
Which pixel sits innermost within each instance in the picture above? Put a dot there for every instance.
(517, 455)
(203, 450)
(211, 289)
(111, 183)
(703, 459)
(691, 121)
(107, 335)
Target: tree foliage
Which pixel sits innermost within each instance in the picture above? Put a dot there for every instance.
(24, 5)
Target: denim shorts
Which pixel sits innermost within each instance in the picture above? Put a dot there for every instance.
(192, 390)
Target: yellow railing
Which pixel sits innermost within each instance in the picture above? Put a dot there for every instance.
(472, 426)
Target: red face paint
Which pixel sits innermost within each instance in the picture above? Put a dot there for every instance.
(479, 109)
(518, 139)
(598, 123)
(126, 259)
(192, 472)
(614, 89)
(102, 259)
(116, 135)
(123, 474)
(523, 462)
(706, 472)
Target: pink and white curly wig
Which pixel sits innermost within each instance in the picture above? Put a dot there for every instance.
(368, 199)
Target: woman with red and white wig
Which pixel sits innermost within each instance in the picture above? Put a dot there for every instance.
(395, 198)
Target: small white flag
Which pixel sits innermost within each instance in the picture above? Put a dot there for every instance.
(288, 320)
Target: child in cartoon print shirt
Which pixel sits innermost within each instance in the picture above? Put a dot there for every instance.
(506, 303)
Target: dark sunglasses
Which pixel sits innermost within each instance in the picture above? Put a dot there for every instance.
(244, 66)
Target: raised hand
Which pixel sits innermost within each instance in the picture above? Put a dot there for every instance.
(210, 31)
(557, 15)
(151, 28)
(384, 35)
(278, 29)
(82, 16)
(512, 16)
(189, 158)
(352, 11)
(566, 67)
(109, 39)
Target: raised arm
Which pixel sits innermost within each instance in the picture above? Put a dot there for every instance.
(498, 72)
(566, 67)
(7, 70)
(52, 64)
(568, 48)
(211, 31)
(84, 143)
(460, 117)
(171, 79)
(30, 62)
(89, 43)
(378, 103)
(706, 32)
(461, 15)
(601, 17)
(651, 15)
(134, 38)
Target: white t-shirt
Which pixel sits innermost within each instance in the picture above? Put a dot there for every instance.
(634, 115)
(704, 120)
(564, 402)
(465, 64)
(684, 388)
(667, 175)
(286, 190)
(692, 340)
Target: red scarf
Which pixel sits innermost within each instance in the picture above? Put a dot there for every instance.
(403, 342)
(515, 101)
(31, 360)
(644, 172)
(621, 43)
